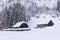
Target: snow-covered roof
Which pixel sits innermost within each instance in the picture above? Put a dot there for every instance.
(18, 24)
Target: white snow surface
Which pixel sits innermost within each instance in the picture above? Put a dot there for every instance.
(43, 19)
(52, 33)
(48, 33)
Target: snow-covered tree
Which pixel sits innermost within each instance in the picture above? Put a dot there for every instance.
(14, 14)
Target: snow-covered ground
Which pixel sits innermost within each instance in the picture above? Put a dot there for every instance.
(48, 33)
(52, 33)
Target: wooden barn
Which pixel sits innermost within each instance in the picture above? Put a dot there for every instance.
(21, 25)
(50, 23)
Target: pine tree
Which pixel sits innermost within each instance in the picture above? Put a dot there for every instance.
(15, 14)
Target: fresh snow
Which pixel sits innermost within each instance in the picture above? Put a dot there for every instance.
(48, 33)
(43, 19)
(18, 24)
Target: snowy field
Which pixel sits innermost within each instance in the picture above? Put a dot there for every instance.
(52, 33)
(48, 33)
